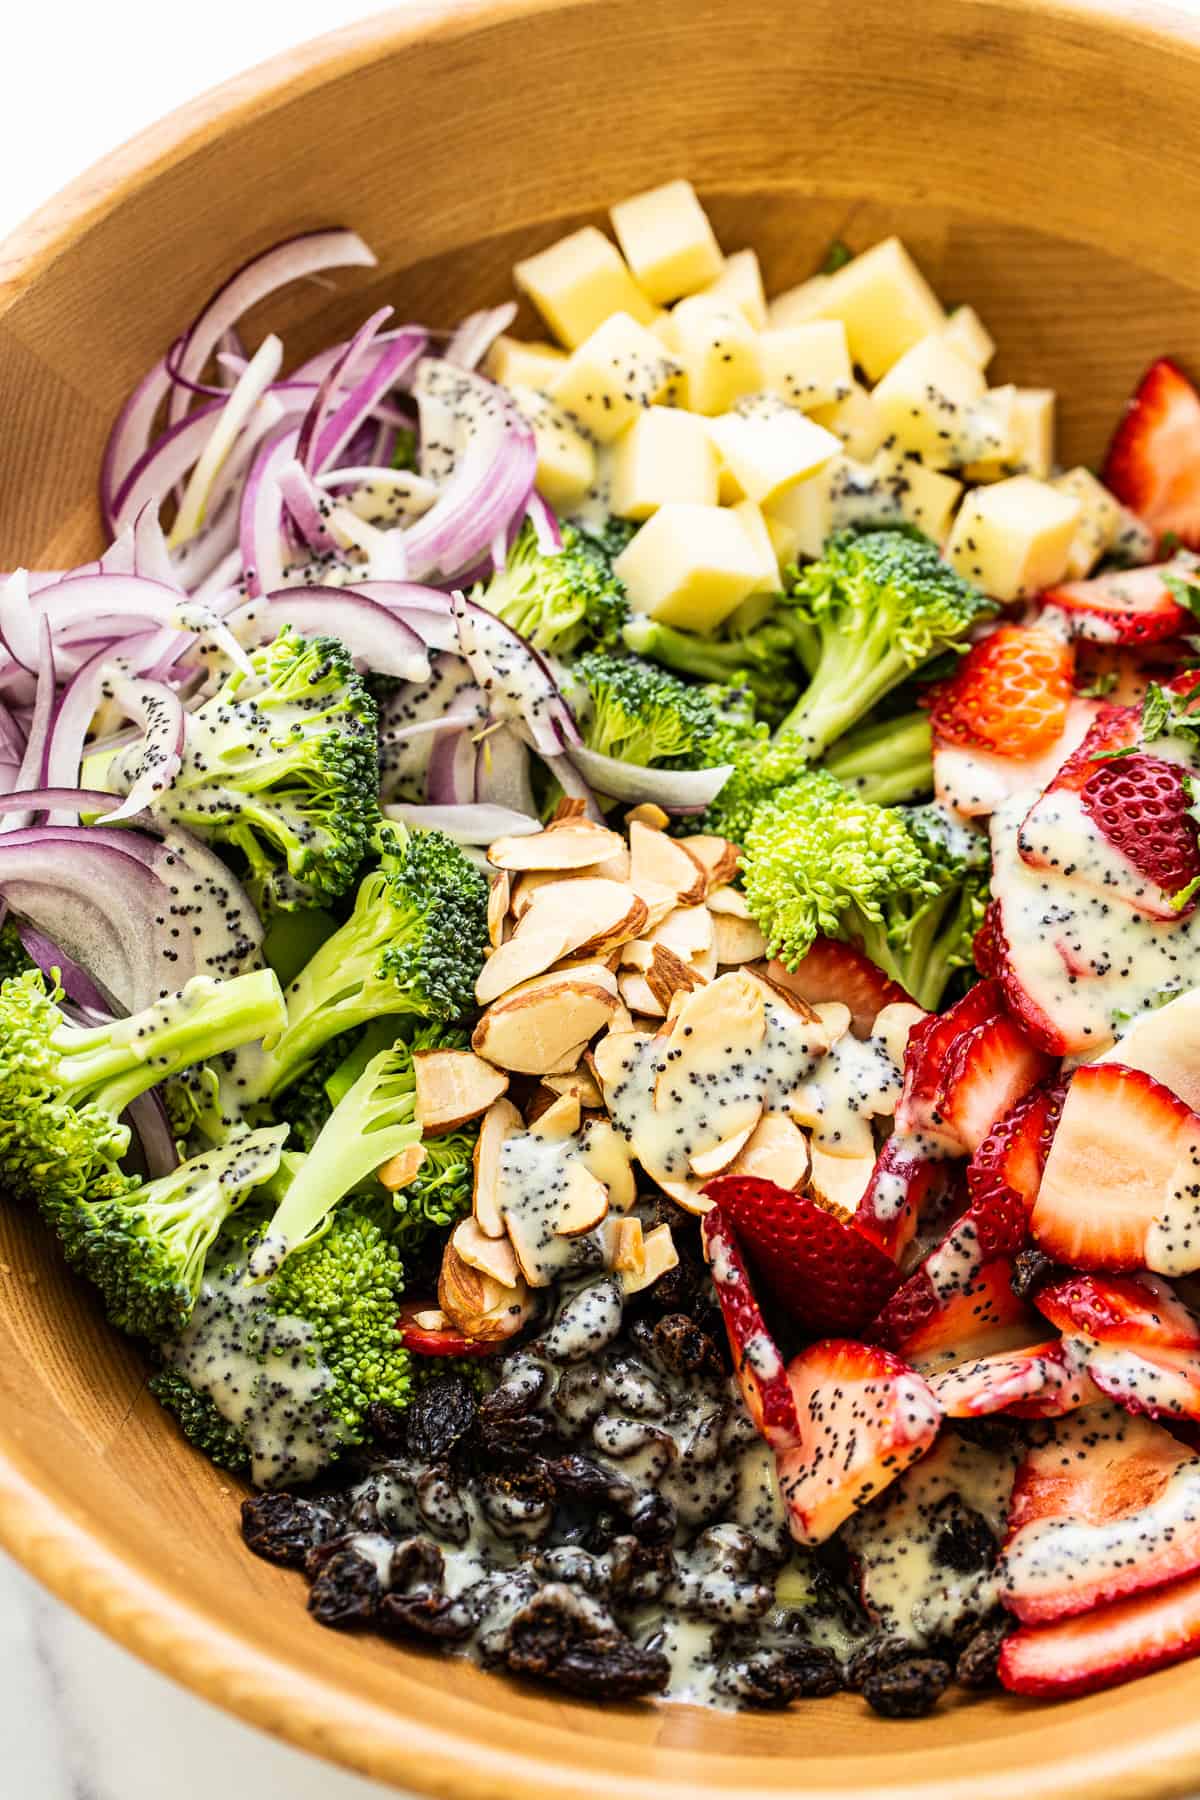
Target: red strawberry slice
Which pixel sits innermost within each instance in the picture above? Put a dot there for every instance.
(1166, 1044)
(1139, 1341)
(835, 971)
(977, 782)
(1142, 805)
(1107, 1646)
(823, 1272)
(904, 1185)
(1044, 1381)
(1105, 1506)
(1114, 728)
(1121, 1184)
(977, 1316)
(1010, 694)
(1006, 1171)
(426, 1340)
(989, 943)
(965, 1068)
(1153, 462)
(1126, 606)
(1127, 670)
(864, 1418)
(756, 1361)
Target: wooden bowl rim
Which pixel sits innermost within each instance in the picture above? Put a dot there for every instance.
(118, 1596)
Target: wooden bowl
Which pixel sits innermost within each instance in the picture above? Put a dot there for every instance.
(1044, 162)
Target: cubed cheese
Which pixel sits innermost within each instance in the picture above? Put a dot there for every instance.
(613, 375)
(1099, 523)
(926, 498)
(926, 398)
(966, 333)
(1031, 450)
(886, 304)
(767, 446)
(807, 365)
(518, 364)
(856, 421)
(1014, 538)
(1134, 541)
(665, 455)
(740, 284)
(797, 304)
(689, 566)
(784, 536)
(754, 524)
(719, 353)
(578, 282)
(845, 492)
(668, 242)
(566, 459)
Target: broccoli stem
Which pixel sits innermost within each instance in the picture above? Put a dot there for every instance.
(920, 955)
(886, 763)
(853, 675)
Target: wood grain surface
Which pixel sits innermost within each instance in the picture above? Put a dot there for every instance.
(1044, 163)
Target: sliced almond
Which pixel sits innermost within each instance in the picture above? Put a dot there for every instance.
(526, 885)
(653, 856)
(574, 843)
(658, 1255)
(729, 901)
(403, 1168)
(688, 1194)
(525, 954)
(432, 1319)
(596, 916)
(715, 1022)
(491, 1256)
(839, 1182)
(658, 901)
(689, 931)
(777, 1150)
(581, 1083)
(499, 1123)
(614, 867)
(719, 859)
(454, 1086)
(893, 1024)
(583, 1203)
(536, 1028)
(560, 1119)
(499, 897)
(637, 955)
(629, 1247)
(614, 1051)
(669, 975)
(765, 973)
(736, 940)
(648, 814)
(835, 1016)
(570, 807)
(605, 1154)
(480, 1306)
(640, 997)
(707, 1163)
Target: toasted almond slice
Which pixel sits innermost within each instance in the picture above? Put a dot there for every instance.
(893, 1024)
(581, 1083)
(570, 807)
(653, 856)
(613, 1051)
(583, 1203)
(491, 1256)
(432, 1319)
(835, 1016)
(707, 1163)
(543, 1026)
(687, 1194)
(526, 885)
(500, 1121)
(839, 1182)
(479, 1305)
(560, 1119)
(594, 916)
(403, 1168)
(629, 1247)
(687, 930)
(453, 1086)
(606, 1156)
(736, 940)
(778, 990)
(658, 900)
(614, 867)
(777, 1151)
(573, 843)
(669, 975)
(718, 858)
(499, 899)
(648, 814)
(524, 955)
(714, 1022)
(729, 901)
(637, 955)
(640, 997)
(659, 1255)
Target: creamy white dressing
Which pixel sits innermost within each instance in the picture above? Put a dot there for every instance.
(1173, 1237)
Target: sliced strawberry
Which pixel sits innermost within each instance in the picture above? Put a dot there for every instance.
(1005, 1172)
(822, 1271)
(989, 943)
(1009, 695)
(1125, 671)
(1142, 805)
(977, 1315)
(836, 971)
(1107, 1505)
(1141, 1311)
(966, 1068)
(930, 1044)
(1165, 1043)
(1125, 606)
(1113, 728)
(904, 1185)
(975, 782)
(1043, 1381)
(864, 1417)
(425, 1340)
(1114, 1194)
(1109, 1645)
(756, 1361)
(1153, 462)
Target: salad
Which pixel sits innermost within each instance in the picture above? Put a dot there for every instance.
(601, 960)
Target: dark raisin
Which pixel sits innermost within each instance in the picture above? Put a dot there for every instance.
(681, 1348)
(640, 1571)
(579, 1478)
(386, 1426)
(909, 1689)
(964, 1540)
(1031, 1272)
(346, 1590)
(870, 1658)
(995, 1433)
(775, 1677)
(417, 1602)
(653, 1520)
(439, 1417)
(567, 1639)
(977, 1664)
(281, 1528)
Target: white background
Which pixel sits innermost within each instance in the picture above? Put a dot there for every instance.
(79, 1720)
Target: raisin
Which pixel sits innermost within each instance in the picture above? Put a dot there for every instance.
(1031, 1271)
(579, 1478)
(640, 1571)
(964, 1542)
(653, 1520)
(417, 1602)
(567, 1639)
(976, 1666)
(346, 1590)
(876, 1654)
(994, 1433)
(439, 1417)
(681, 1348)
(775, 1677)
(507, 1424)
(909, 1689)
(281, 1528)
(385, 1426)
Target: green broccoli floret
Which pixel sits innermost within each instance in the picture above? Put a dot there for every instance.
(759, 770)
(14, 958)
(200, 1422)
(281, 766)
(63, 1087)
(764, 657)
(886, 762)
(939, 938)
(414, 944)
(145, 1249)
(881, 603)
(561, 600)
(440, 1194)
(638, 713)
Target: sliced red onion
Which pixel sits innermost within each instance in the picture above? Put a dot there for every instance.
(159, 712)
(342, 369)
(545, 525)
(75, 982)
(240, 405)
(502, 771)
(475, 336)
(675, 790)
(519, 684)
(167, 461)
(148, 1119)
(468, 824)
(12, 747)
(260, 523)
(490, 483)
(47, 799)
(396, 362)
(372, 634)
(18, 620)
(416, 495)
(308, 507)
(32, 773)
(426, 610)
(574, 786)
(129, 439)
(450, 780)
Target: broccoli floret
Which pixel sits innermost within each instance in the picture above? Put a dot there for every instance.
(14, 958)
(145, 1249)
(764, 657)
(440, 1193)
(613, 534)
(880, 603)
(200, 1422)
(414, 944)
(939, 938)
(886, 762)
(63, 1087)
(282, 767)
(561, 600)
(638, 713)
(759, 770)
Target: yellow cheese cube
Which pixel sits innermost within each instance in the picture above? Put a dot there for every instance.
(768, 446)
(516, 364)
(797, 304)
(784, 536)
(566, 459)
(886, 304)
(689, 566)
(1099, 525)
(845, 492)
(966, 333)
(926, 397)
(578, 282)
(1013, 538)
(754, 524)
(807, 365)
(668, 241)
(926, 498)
(1031, 449)
(740, 284)
(856, 421)
(613, 375)
(719, 353)
(1134, 542)
(665, 455)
